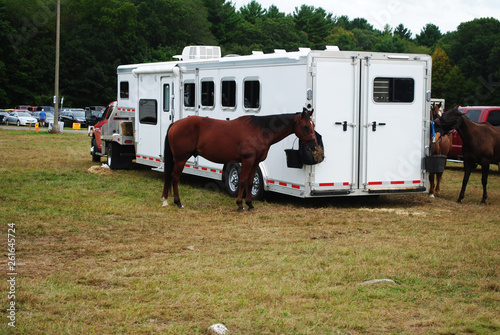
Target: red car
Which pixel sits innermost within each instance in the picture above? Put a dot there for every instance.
(479, 114)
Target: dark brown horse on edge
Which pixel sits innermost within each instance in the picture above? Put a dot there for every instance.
(246, 140)
(440, 145)
(481, 145)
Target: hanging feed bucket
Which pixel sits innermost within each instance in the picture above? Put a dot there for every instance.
(435, 164)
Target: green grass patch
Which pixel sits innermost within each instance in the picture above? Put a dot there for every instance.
(99, 254)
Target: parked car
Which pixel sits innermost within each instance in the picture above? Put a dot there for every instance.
(46, 109)
(479, 114)
(73, 116)
(20, 118)
(49, 117)
(94, 114)
(2, 116)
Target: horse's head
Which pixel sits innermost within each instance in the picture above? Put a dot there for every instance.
(435, 110)
(450, 119)
(304, 130)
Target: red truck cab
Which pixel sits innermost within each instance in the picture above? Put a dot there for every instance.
(478, 114)
(96, 145)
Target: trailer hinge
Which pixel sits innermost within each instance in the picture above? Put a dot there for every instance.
(367, 58)
(354, 58)
(312, 69)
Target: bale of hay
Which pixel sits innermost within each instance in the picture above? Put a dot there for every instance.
(100, 170)
(127, 129)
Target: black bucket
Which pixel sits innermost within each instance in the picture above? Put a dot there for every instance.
(293, 159)
(435, 164)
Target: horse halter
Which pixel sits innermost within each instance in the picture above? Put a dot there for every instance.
(309, 137)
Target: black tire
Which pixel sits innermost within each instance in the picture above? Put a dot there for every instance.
(94, 150)
(232, 181)
(18, 123)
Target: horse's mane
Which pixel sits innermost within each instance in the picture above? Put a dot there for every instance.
(272, 122)
(450, 119)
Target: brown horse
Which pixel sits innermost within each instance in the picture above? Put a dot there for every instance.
(481, 145)
(246, 140)
(440, 145)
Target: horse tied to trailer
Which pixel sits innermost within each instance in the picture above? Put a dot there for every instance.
(481, 145)
(440, 145)
(245, 140)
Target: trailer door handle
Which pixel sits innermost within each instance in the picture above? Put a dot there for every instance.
(374, 125)
(343, 124)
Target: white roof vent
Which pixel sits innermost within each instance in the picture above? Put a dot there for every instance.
(279, 51)
(200, 52)
(332, 48)
(257, 53)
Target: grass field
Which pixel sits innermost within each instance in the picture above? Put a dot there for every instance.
(97, 254)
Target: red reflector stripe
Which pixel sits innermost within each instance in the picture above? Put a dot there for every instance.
(296, 187)
(326, 184)
(375, 183)
(397, 182)
(282, 184)
(416, 182)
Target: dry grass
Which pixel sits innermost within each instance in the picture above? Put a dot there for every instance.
(101, 256)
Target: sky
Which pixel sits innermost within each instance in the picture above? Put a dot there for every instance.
(414, 15)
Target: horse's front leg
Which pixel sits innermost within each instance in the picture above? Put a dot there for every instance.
(467, 172)
(251, 177)
(244, 181)
(431, 182)
(485, 168)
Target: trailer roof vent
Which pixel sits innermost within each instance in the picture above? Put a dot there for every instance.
(257, 53)
(332, 48)
(201, 52)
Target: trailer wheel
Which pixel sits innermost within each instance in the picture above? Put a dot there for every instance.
(232, 181)
(93, 151)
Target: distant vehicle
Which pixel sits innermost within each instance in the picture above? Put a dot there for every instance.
(3, 115)
(20, 118)
(478, 114)
(46, 109)
(94, 114)
(49, 118)
(23, 107)
(73, 116)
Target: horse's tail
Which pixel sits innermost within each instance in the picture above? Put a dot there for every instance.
(168, 167)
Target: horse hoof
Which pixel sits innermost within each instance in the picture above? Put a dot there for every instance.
(251, 209)
(165, 202)
(240, 209)
(431, 195)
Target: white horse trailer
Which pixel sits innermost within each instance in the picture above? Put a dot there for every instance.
(372, 110)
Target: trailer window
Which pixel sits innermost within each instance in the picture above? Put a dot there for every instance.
(207, 93)
(148, 111)
(124, 90)
(166, 97)
(251, 95)
(393, 90)
(189, 95)
(228, 93)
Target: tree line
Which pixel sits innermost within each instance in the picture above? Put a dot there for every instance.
(99, 35)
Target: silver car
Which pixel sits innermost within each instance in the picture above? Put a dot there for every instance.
(20, 118)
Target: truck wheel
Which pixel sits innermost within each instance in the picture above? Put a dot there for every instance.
(232, 181)
(94, 150)
(115, 159)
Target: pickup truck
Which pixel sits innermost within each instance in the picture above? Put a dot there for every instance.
(113, 137)
(479, 114)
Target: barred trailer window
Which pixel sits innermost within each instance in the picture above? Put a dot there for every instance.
(148, 111)
(228, 93)
(394, 90)
(189, 95)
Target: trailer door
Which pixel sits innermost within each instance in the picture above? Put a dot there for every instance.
(155, 115)
(336, 97)
(392, 105)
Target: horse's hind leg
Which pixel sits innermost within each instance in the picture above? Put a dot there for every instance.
(438, 183)
(176, 175)
(251, 177)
